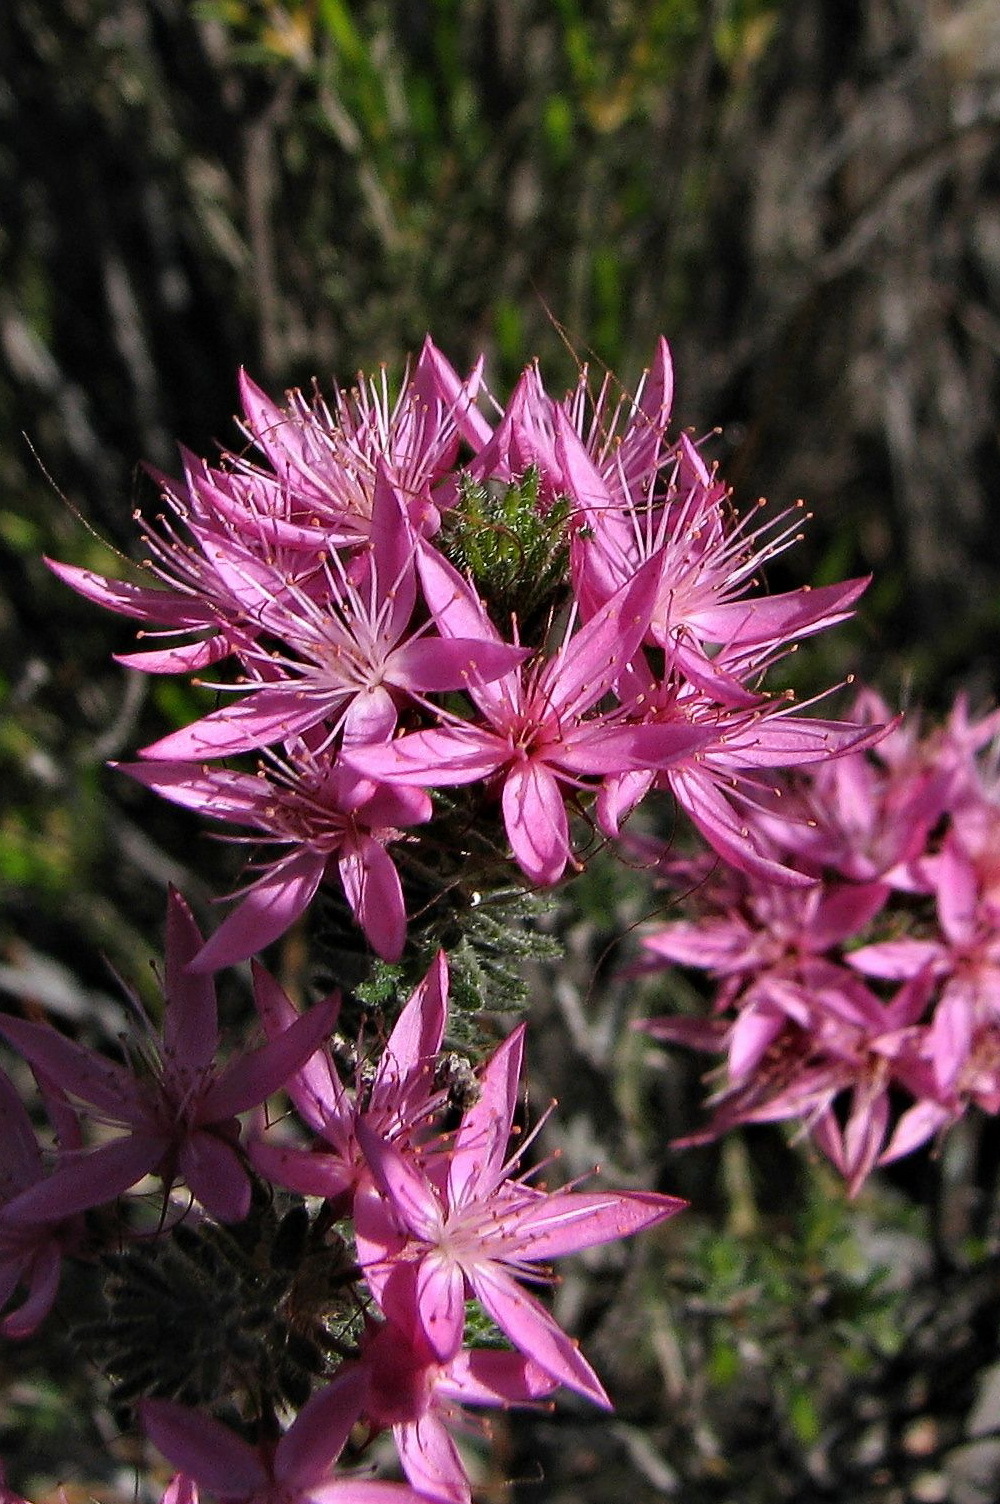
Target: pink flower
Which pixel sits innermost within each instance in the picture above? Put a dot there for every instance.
(540, 730)
(180, 1113)
(470, 1229)
(966, 956)
(330, 815)
(420, 1397)
(349, 651)
(397, 1102)
(294, 1471)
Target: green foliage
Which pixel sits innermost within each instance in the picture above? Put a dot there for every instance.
(513, 546)
(804, 1303)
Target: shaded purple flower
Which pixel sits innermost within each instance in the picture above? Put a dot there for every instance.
(30, 1255)
(180, 1109)
(297, 1470)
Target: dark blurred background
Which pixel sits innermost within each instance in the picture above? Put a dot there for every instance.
(803, 195)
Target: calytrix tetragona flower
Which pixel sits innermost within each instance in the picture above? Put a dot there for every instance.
(180, 1111)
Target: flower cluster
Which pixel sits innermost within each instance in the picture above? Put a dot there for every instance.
(551, 610)
(440, 1218)
(447, 635)
(866, 1004)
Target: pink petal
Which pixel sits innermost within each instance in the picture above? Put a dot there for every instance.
(530, 1327)
(271, 906)
(311, 1174)
(315, 1088)
(431, 1460)
(363, 1491)
(477, 1161)
(190, 1024)
(128, 600)
(412, 1047)
(617, 798)
(404, 1186)
(697, 793)
(437, 664)
(43, 1285)
(435, 759)
(215, 1457)
(257, 1074)
(319, 1432)
(482, 1376)
(370, 717)
(957, 890)
(216, 1176)
(180, 1490)
(440, 1297)
(457, 395)
(88, 1180)
(771, 618)
(267, 715)
(373, 890)
(185, 659)
(896, 960)
(535, 820)
(917, 1124)
(223, 794)
(20, 1156)
(588, 666)
(79, 1070)
(565, 1221)
(950, 1035)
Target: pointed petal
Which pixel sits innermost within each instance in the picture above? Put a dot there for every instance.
(917, 1124)
(535, 820)
(412, 1047)
(215, 1457)
(180, 1490)
(435, 759)
(267, 715)
(271, 906)
(565, 1221)
(440, 1296)
(217, 791)
(319, 1432)
(436, 664)
(326, 1175)
(43, 1285)
(257, 1074)
(587, 667)
(137, 601)
(697, 793)
(79, 1070)
(431, 1460)
(20, 1156)
(88, 1180)
(216, 1176)
(373, 890)
(957, 888)
(405, 1187)
(477, 1160)
(531, 1329)
(315, 1088)
(190, 1024)
(949, 1038)
(484, 1376)
(187, 658)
